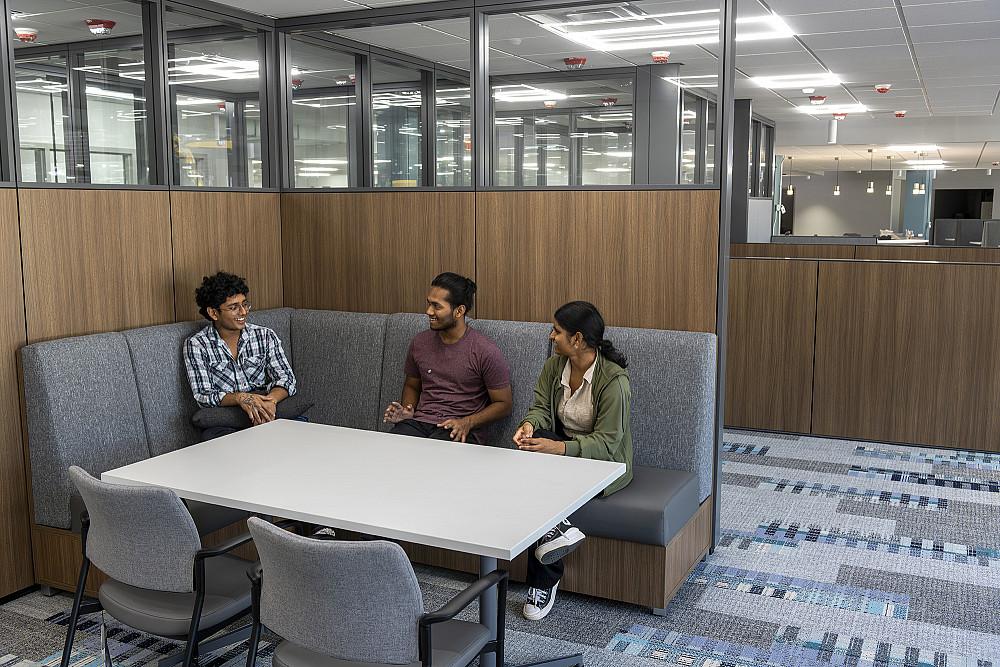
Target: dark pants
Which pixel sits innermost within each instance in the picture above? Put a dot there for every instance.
(539, 575)
(213, 432)
(428, 430)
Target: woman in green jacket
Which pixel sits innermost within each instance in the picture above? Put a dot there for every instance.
(581, 408)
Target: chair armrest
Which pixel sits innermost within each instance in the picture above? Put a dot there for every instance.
(464, 599)
(225, 547)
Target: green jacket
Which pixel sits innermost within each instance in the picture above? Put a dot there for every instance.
(612, 436)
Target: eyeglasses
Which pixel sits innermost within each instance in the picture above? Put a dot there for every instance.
(237, 307)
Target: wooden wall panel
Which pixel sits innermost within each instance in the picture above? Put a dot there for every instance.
(373, 252)
(236, 232)
(95, 260)
(769, 356)
(645, 258)
(15, 526)
(929, 253)
(909, 353)
(793, 250)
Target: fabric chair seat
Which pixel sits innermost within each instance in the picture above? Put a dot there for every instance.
(207, 517)
(453, 644)
(650, 510)
(169, 614)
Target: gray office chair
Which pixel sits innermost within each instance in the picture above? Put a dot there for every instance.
(337, 604)
(161, 579)
(991, 233)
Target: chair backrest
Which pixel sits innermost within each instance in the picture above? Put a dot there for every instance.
(142, 536)
(356, 601)
(672, 375)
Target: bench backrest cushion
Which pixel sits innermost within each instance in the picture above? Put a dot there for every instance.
(672, 375)
(400, 329)
(164, 391)
(525, 345)
(83, 409)
(338, 366)
(280, 320)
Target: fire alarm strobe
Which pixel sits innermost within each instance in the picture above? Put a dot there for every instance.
(576, 62)
(660, 57)
(100, 26)
(883, 88)
(900, 114)
(817, 99)
(26, 35)
(839, 116)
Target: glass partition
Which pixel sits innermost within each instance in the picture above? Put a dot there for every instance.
(81, 100)
(323, 100)
(397, 125)
(453, 108)
(214, 78)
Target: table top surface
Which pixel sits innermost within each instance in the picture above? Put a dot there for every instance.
(488, 501)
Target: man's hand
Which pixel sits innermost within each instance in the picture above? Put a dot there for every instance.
(460, 428)
(396, 413)
(543, 445)
(526, 430)
(259, 409)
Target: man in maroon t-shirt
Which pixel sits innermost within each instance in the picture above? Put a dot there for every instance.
(457, 380)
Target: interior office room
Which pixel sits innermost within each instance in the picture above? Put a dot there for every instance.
(722, 273)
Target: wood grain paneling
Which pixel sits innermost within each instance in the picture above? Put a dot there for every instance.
(15, 558)
(769, 355)
(95, 260)
(373, 252)
(794, 250)
(645, 258)
(930, 253)
(909, 353)
(236, 232)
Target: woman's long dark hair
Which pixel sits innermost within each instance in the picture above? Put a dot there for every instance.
(583, 317)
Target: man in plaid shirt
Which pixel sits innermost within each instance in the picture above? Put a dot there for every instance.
(234, 362)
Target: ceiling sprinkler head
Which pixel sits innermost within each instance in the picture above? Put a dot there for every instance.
(817, 99)
(549, 104)
(883, 88)
(660, 57)
(26, 35)
(100, 26)
(839, 116)
(609, 101)
(576, 62)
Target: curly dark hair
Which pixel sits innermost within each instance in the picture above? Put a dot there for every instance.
(216, 289)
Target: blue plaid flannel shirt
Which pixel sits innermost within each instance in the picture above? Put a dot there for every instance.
(260, 364)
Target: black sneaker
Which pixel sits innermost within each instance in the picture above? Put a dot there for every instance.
(558, 543)
(539, 604)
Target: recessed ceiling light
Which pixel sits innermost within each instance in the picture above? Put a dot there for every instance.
(797, 80)
(832, 108)
(628, 30)
(925, 163)
(916, 148)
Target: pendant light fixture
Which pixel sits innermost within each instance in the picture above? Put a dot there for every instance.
(871, 167)
(836, 188)
(791, 188)
(888, 188)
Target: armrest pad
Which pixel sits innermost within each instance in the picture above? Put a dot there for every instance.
(225, 547)
(464, 599)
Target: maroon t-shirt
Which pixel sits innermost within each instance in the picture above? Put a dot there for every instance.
(454, 379)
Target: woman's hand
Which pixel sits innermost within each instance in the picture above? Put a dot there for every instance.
(526, 430)
(543, 445)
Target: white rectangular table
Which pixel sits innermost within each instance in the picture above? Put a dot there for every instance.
(488, 501)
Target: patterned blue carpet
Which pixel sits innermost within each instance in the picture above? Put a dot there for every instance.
(832, 553)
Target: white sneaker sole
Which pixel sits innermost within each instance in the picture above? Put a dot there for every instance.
(560, 547)
(533, 613)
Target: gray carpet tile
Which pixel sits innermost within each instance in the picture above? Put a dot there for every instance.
(832, 552)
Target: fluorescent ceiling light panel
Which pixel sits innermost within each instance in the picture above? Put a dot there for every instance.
(630, 30)
(825, 109)
(208, 68)
(797, 80)
(925, 163)
(525, 93)
(916, 148)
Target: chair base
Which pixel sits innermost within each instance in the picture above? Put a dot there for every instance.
(237, 635)
(575, 660)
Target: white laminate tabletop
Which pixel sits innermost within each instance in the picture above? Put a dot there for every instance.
(487, 501)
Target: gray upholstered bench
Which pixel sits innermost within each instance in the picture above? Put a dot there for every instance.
(642, 541)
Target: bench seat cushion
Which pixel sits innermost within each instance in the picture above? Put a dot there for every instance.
(650, 510)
